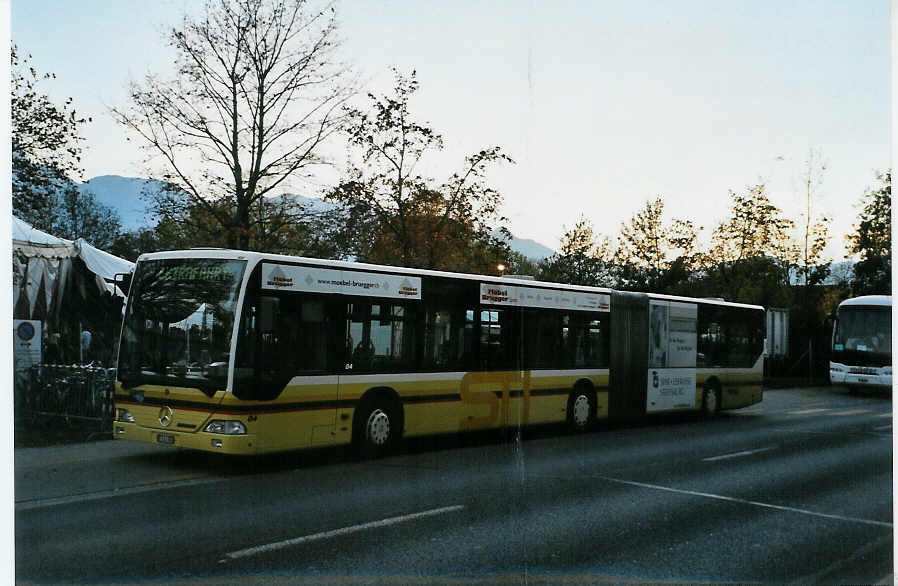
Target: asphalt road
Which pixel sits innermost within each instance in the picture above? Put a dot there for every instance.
(795, 489)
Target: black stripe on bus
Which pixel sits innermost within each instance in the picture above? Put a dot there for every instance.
(432, 398)
(318, 405)
(241, 409)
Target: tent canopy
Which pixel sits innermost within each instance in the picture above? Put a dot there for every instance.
(31, 243)
(43, 263)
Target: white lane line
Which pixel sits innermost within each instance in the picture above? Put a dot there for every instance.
(852, 412)
(105, 494)
(889, 414)
(737, 454)
(747, 502)
(806, 411)
(337, 532)
(838, 433)
(882, 427)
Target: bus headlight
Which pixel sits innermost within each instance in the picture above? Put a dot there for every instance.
(124, 415)
(836, 368)
(226, 427)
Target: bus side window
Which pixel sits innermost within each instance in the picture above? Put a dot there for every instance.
(380, 336)
(492, 350)
(448, 342)
(542, 338)
(713, 350)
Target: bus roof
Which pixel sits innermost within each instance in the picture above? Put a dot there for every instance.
(704, 300)
(224, 253)
(352, 265)
(874, 300)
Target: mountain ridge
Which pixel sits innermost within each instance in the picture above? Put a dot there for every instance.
(124, 195)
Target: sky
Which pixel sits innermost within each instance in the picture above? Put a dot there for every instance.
(603, 105)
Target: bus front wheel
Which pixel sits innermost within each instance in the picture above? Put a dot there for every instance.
(377, 428)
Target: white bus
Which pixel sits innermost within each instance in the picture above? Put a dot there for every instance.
(246, 353)
(862, 343)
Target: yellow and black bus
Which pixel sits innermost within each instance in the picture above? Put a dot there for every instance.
(247, 353)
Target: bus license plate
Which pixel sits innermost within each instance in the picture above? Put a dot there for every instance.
(164, 438)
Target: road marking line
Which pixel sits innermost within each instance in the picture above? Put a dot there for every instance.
(821, 575)
(747, 502)
(737, 454)
(852, 412)
(105, 494)
(839, 433)
(889, 414)
(337, 532)
(805, 411)
(881, 427)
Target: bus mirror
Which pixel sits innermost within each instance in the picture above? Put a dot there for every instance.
(123, 281)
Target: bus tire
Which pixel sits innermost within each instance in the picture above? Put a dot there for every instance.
(711, 400)
(377, 426)
(581, 409)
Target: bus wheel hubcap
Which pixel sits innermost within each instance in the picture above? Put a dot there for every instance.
(378, 427)
(581, 410)
(710, 401)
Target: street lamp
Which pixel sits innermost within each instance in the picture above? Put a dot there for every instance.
(501, 268)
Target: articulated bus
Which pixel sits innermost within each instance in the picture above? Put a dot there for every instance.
(862, 343)
(248, 353)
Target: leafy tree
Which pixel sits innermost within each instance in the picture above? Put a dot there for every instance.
(654, 256)
(82, 216)
(256, 92)
(752, 252)
(397, 215)
(46, 145)
(872, 240)
(583, 258)
(518, 264)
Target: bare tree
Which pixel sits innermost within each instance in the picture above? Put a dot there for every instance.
(255, 93)
(815, 227)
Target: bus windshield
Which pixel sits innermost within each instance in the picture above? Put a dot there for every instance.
(864, 330)
(178, 324)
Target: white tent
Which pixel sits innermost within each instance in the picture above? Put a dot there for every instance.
(42, 264)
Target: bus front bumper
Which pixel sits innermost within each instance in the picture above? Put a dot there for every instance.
(869, 377)
(243, 444)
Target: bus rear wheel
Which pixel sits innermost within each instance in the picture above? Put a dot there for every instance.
(581, 409)
(377, 428)
(710, 401)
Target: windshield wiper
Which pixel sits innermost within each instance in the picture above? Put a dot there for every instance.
(129, 381)
(207, 387)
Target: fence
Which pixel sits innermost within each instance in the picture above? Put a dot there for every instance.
(71, 391)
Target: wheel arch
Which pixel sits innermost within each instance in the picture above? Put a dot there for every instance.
(378, 394)
(712, 383)
(585, 384)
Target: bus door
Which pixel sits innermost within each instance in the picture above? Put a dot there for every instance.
(629, 355)
(294, 363)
